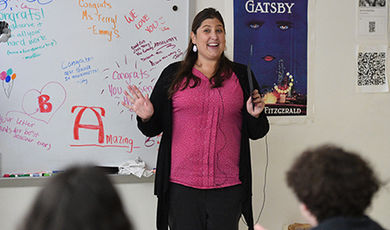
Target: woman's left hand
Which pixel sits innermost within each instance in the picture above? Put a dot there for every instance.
(255, 104)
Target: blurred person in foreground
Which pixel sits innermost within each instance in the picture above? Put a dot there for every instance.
(334, 188)
(80, 198)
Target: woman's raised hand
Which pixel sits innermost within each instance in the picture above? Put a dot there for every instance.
(255, 104)
(140, 104)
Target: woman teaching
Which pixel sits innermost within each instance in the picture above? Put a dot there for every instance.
(203, 107)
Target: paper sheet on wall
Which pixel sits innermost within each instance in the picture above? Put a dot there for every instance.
(372, 69)
(372, 19)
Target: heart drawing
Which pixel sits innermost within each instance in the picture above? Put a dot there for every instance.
(41, 105)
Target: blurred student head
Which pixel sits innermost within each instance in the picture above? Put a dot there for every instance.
(331, 182)
(81, 198)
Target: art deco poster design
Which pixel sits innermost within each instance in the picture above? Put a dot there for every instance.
(271, 36)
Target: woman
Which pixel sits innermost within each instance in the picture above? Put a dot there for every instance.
(203, 107)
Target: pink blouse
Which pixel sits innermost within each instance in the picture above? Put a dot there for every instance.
(206, 134)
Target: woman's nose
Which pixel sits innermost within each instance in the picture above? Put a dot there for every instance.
(213, 34)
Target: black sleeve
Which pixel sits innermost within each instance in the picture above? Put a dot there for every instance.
(160, 101)
(256, 127)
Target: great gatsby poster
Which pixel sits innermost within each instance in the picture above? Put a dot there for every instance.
(271, 36)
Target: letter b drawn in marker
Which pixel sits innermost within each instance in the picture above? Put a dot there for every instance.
(44, 105)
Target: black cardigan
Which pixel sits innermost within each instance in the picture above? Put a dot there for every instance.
(161, 121)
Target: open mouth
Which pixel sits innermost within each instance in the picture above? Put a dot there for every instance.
(268, 58)
(213, 45)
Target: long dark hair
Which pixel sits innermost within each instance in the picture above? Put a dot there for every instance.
(223, 71)
(80, 198)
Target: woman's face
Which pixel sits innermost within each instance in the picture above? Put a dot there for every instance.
(210, 40)
(271, 37)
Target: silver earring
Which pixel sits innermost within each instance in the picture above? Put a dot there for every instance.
(194, 48)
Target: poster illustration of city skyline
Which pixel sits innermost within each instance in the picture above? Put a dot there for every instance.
(271, 36)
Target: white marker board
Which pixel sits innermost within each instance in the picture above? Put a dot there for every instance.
(63, 73)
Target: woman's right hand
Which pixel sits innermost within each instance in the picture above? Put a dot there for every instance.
(140, 104)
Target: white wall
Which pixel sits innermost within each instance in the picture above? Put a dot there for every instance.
(17, 195)
(356, 121)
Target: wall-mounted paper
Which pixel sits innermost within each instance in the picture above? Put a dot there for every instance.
(371, 69)
(372, 19)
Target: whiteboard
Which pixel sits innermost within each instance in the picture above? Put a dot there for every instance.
(63, 74)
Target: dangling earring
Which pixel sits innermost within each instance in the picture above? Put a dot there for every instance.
(194, 48)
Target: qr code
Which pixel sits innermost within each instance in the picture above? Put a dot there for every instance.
(371, 68)
(371, 27)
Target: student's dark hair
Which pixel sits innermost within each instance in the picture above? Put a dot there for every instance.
(81, 198)
(224, 65)
(332, 182)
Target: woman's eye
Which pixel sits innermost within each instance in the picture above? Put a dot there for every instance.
(255, 24)
(284, 25)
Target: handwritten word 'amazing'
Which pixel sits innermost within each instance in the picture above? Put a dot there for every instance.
(107, 140)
